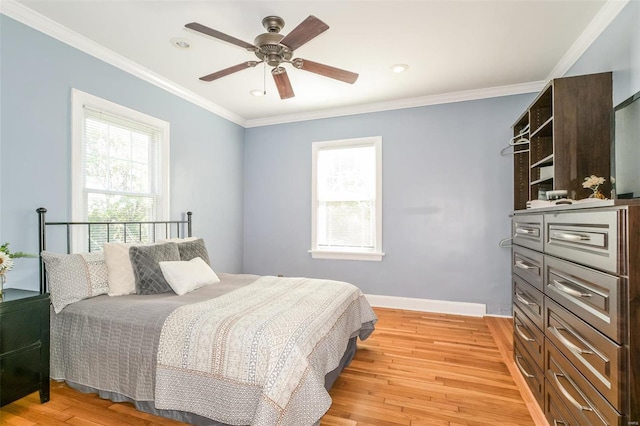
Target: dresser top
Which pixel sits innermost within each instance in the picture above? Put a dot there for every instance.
(12, 294)
(580, 205)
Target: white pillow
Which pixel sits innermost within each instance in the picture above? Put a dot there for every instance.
(185, 276)
(121, 279)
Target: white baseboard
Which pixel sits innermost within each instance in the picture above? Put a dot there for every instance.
(499, 316)
(428, 305)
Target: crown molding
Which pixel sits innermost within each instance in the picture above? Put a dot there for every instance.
(598, 24)
(53, 29)
(445, 98)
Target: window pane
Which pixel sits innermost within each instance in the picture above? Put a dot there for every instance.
(346, 174)
(140, 148)
(96, 137)
(120, 173)
(140, 178)
(96, 172)
(346, 224)
(119, 143)
(118, 208)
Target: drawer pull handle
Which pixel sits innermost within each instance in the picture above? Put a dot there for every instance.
(522, 370)
(567, 236)
(522, 265)
(525, 231)
(557, 422)
(566, 288)
(524, 336)
(568, 395)
(568, 343)
(525, 301)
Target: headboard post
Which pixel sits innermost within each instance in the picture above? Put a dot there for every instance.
(42, 245)
(189, 224)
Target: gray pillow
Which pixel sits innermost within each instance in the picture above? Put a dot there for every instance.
(192, 249)
(146, 270)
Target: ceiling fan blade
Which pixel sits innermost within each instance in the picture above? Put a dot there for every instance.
(230, 70)
(326, 70)
(305, 31)
(221, 36)
(282, 83)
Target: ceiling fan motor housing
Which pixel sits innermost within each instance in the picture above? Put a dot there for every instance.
(273, 24)
(270, 50)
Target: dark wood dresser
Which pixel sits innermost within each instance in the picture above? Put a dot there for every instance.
(24, 345)
(576, 294)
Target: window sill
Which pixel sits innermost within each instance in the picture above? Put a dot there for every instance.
(347, 255)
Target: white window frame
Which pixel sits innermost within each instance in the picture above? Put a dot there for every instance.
(374, 254)
(79, 100)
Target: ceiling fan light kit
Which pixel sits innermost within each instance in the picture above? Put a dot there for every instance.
(275, 49)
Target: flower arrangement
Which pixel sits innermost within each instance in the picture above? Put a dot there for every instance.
(593, 183)
(6, 257)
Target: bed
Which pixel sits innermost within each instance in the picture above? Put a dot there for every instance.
(239, 349)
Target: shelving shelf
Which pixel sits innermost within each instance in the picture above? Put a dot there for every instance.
(545, 129)
(546, 161)
(543, 180)
(570, 130)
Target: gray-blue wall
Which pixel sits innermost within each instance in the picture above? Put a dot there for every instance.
(618, 50)
(36, 78)
(446, 199)
(447, 192)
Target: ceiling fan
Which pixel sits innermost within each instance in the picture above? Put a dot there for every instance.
(276, 49)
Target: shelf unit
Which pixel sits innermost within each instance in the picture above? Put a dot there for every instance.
(569, 138)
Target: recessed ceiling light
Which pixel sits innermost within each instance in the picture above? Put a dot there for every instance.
(180, 43)
(398, 68)
(257, 92)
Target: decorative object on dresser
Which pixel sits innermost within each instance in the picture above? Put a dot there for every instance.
(576, 290)
(24, 345)
(7, 262)
(563, 136)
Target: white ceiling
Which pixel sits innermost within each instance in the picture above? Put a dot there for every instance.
(450, 46)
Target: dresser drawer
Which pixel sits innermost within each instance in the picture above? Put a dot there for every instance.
(589, 238)
(555, 410)
(581, 399)
(596, 297)
(21, 325)
(528, 264)
(529, 300)
(529, 336)
(20, 373)
(599, 359)
(528, 231)
(531, 374)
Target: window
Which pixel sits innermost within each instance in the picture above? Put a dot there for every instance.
(120, 161)
(347, 199)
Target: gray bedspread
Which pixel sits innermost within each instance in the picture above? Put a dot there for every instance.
(109, 345)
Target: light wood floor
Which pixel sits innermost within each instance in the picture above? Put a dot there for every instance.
(416, 369)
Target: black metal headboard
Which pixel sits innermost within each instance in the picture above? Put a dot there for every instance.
(154, 231)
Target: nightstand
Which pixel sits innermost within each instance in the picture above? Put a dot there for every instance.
(24, 345)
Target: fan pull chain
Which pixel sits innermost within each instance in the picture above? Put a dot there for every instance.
(264, 79)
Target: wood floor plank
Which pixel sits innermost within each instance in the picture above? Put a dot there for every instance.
(417, 369)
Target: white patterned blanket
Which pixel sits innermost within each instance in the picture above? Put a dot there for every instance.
(259, 354)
